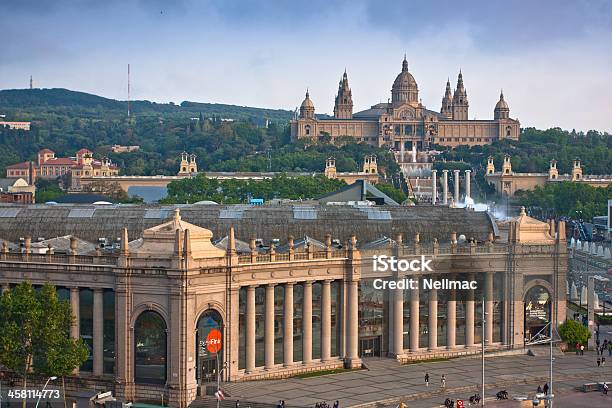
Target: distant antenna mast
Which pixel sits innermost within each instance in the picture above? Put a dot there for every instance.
(128, 101)
(31, 84)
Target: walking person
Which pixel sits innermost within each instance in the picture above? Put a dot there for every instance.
(598, 362)
(237, 405)
(443, 381)
(603, 361)
(610, 349)
(605, 389)
(427, 379)
(582, 349)
(336, 404)
(546, 389)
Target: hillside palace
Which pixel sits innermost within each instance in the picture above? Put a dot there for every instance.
(405, 119)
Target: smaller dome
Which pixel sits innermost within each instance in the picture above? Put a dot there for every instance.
(307, 102)
(501, 104)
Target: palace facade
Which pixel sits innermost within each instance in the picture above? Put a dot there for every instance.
(149, 310)
(404, 120)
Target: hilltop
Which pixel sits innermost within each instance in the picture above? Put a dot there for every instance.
(27, 104)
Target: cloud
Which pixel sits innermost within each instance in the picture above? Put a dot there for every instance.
(551, 58)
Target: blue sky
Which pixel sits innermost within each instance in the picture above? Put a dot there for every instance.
(552, 58)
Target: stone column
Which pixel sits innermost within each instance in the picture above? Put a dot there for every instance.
(469, 317)
(269, 327)
(451, 321)
(326, 321)
(288, 326)
(456, 172)
(342, 309)
(414, 318)
(352, 342)
(250, 330)
(76, 315)
(98, 331)
(468, 183)
(307, 324)
(489, 308)
(434, 186)
(445, 187)
(398, 321)
(433, 319)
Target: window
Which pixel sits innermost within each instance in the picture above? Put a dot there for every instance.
(307, 129)
(150, 348)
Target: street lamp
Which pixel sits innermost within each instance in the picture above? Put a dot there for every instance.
(52, 378)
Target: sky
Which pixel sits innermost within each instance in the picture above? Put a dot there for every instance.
(553, 59)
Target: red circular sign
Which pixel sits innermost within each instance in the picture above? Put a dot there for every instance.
(213, 341)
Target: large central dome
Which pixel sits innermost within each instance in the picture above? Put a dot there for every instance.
(405, 89)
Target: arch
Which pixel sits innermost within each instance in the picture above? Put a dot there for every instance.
(150, 348)
(209, 328)
(537, 309)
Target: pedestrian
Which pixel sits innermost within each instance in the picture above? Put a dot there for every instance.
(237, 405)
(539, 391)
(605, 388)
(427, 379)
(443, 381)
(598, 362)
(610, 349)
(546, 389)
(582, 349)
(603, 361)
(336, 404)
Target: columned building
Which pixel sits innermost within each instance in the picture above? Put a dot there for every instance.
(165, 312)
(404, 121)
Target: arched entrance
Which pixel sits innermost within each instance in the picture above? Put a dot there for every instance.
(537, 313)
(150, 352)
(209, 343)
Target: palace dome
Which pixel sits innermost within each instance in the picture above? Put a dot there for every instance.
(405, 78)
(501, 104)
(404, 88)
(307, 103)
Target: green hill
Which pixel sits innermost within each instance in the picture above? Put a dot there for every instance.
(28, 104)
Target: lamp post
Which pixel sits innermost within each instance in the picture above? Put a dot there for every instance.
(52, 378)
(483, 351)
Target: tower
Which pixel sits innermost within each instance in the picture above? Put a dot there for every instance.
(576, 170)
(447, 102)
(307, 109)
(330, 168)
(193, 166)
(31, 83)
(490, 165)
(501, 111)
(507, 166)
(184, 166)
(553, 173)
(343, 107)
(369, 164)
(460, 101)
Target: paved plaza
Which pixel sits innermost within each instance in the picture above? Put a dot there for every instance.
(385, 382)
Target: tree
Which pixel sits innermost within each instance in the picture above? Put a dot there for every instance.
(35, 333)
(572, 332)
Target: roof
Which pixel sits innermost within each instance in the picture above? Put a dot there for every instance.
(62, 244)
(59, 161)
(22, 165)
(379, 243)
(360, 190)
(300, 244)
(7, 183)
(46, 151)
(241, 246)
(83, 151)
(278, 221)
